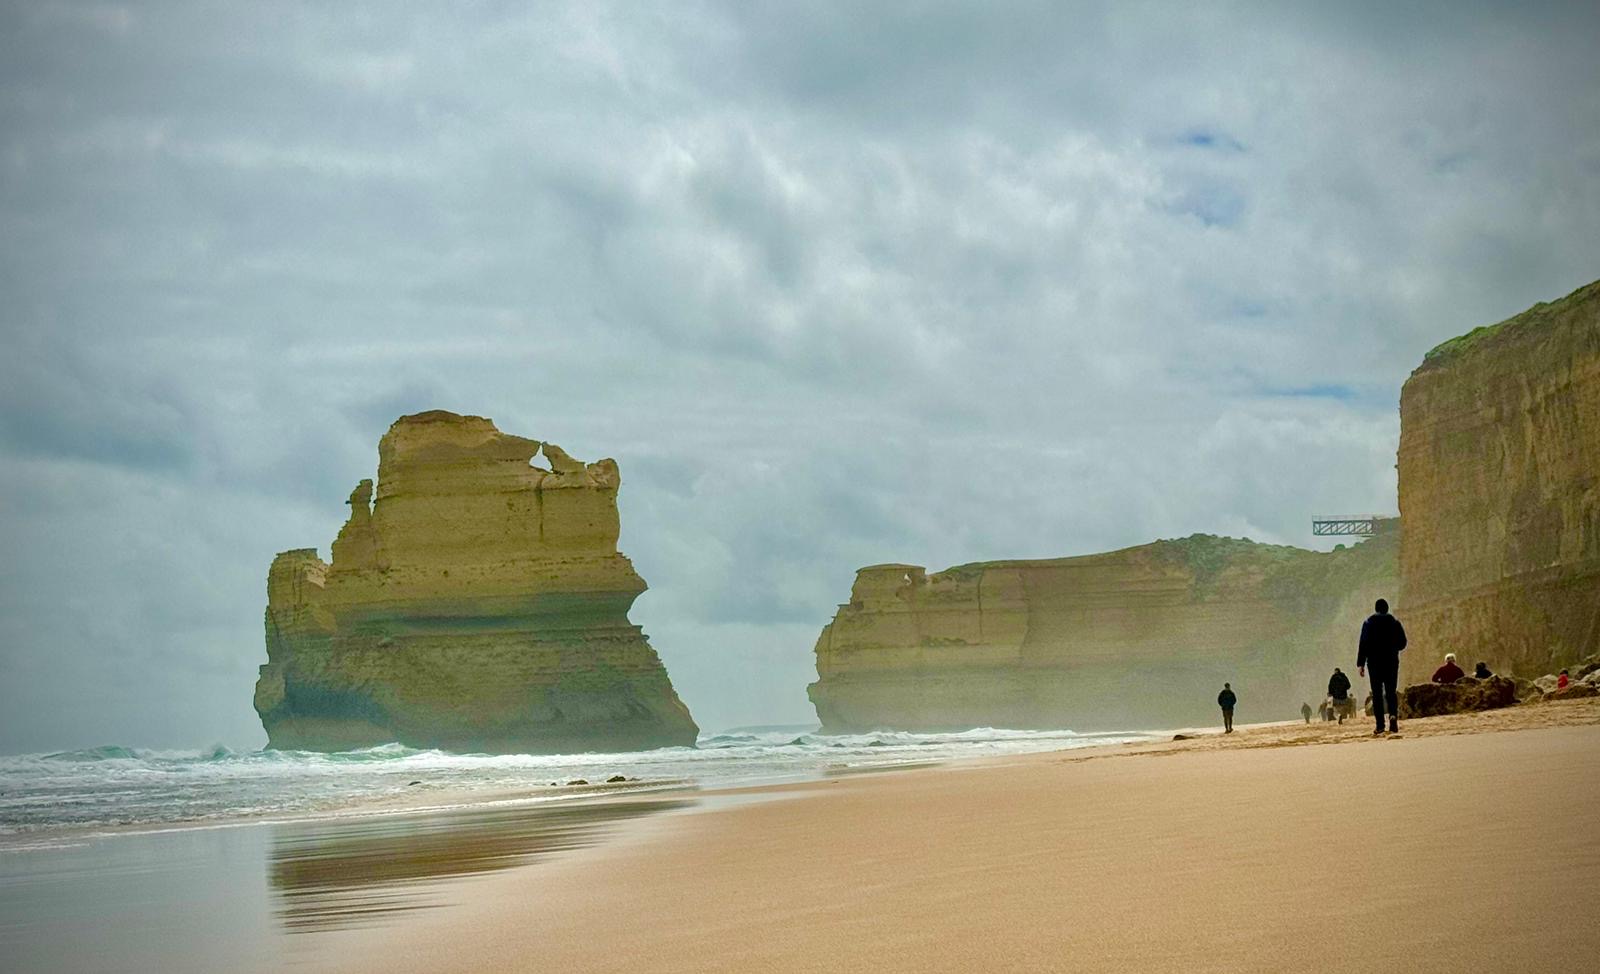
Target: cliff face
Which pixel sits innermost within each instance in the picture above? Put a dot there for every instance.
(1500, 492)
(1145, 636)
(478, 604)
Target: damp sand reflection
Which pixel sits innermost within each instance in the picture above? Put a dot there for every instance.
(354, 872)
(239, 898)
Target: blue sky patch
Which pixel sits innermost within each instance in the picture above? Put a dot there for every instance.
(1201, 138)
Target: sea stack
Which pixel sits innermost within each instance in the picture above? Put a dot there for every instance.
(475, 602)
(1142, 637)
(1500, 493)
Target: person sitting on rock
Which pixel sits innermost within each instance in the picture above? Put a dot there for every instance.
(1561, 681)
(1449, 672)
(1482, 671)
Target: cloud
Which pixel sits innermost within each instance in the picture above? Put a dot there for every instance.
(835, 283)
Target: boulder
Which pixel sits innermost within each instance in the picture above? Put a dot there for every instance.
(1574, 691)
(1463, 696)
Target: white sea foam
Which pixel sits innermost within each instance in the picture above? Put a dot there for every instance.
(112, 786)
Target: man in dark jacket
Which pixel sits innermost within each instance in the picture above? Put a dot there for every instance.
(1338, 685)
(1226, 700)
(1382, 639)
(1339, 694)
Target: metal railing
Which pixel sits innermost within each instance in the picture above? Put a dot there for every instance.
(1344, 525)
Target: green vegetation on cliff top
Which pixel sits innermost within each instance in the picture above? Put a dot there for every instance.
(1541, 315)
(1207, 556)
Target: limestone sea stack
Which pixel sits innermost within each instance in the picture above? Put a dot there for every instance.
(477, 603)
(1500, 493)
(1142, 637)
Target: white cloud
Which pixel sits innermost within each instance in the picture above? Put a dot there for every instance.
(836, 284)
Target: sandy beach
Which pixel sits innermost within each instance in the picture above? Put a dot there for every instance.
(1466, 844)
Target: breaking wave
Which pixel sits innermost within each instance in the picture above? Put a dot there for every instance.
(117, 786)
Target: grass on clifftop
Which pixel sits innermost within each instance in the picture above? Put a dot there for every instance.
(1291, 572)
(1206, 555)
(1541, 315)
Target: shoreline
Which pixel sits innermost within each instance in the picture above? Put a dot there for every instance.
(1124, 865)
(456, 798)
(1279, 733)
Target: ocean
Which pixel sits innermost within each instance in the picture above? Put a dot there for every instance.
(49, 799)
(117, 859)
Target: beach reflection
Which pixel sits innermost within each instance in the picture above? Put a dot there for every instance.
(341, 873)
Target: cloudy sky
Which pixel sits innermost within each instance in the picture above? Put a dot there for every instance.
(834, 283)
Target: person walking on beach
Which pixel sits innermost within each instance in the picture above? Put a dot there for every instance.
(1305, 711)
(1339, 693)
(1382, 640)
(1226, 700)
(1449, 672)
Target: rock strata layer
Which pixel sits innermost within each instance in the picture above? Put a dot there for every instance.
(476, 601)
(1499, 470)
(1145, 636)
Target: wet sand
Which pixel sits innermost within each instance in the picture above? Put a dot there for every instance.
(1467, 844)
(256, 896)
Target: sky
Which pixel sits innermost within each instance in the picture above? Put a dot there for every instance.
(834, 283)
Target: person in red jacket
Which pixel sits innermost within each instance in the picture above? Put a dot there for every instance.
(1561, 681)
(1449, 672)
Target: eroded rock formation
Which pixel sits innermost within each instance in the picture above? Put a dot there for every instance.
(1500, 492)
(478, 603)
(1139, 637)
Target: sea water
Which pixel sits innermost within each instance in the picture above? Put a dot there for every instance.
(48, 798)
(117, 859)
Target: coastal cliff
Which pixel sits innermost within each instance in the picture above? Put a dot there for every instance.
(1499, 469)
(476, 601)
(1144, 636)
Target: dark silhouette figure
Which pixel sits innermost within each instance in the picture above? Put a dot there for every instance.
(1382, 639)
(1226, 700)
(1449, 672)
(1340, 704)
(1482, 672)
(1305, 711)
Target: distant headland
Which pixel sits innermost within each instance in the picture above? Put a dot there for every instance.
(1496, 557)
